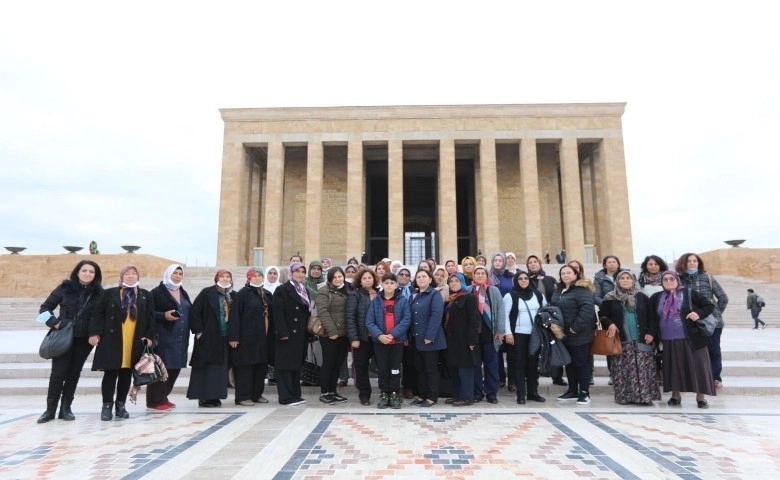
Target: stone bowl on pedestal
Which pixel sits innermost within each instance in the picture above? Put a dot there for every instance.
(130, 248)
(734, 243)
(72, 249)
(15, 250)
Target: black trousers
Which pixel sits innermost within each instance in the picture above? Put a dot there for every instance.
(334, 353)
(579, 371)
(288, 385)
(360, 359)
(388, 361)
(250, 381)
(157, 392)
(409, 369)
(427, 366)
(116, 381)
(526, 374)
(66, 370)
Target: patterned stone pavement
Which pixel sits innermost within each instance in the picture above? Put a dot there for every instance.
(736, 438)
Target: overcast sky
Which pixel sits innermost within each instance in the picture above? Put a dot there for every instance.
(110, 130)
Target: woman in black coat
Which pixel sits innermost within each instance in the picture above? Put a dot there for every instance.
(291, 307)
(461, 327)
(575, 299)
(209, 323)
(249, 323)
(172, 307)
(76, 297)
(123, 321)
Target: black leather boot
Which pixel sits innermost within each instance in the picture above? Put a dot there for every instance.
(120, 410)
(51, 410)
(536, 397)
(106, 414)
(65, 412)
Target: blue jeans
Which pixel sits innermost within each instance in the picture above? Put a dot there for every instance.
(754, 312)
(487, 385)
(716, 359)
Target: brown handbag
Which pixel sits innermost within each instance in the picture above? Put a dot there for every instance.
(315, 326)
(603, 345)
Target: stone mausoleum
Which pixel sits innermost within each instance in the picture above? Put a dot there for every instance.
(409, 182)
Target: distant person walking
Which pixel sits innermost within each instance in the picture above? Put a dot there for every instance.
(755, 304)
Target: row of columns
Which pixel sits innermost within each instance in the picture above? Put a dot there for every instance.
(487, 198)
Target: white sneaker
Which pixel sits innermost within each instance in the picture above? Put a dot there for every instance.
(297, 402)
(583, 399)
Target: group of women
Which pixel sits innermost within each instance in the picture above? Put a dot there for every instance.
(460, 318)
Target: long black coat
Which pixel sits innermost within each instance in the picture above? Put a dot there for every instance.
(106, 321)
(291, 314)
(248, 317)
(462, 332)
(173, 338)
(204, 318)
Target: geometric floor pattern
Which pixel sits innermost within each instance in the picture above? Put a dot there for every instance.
(536, 445)
(319, 443)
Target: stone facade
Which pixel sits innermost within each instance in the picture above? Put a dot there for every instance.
(526, 178)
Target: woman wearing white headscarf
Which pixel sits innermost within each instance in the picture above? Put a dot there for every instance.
(271, 282)
(172, 315)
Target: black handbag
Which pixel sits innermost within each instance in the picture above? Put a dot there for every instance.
(57, 342)
(310, 373)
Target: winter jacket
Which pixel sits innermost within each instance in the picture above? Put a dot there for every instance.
(106, 321)
(579, 313)
(247, 326)
(173, 338)
(701, 305)
(375, 318)
(701, 283)
(331, 303)
(76, 302)
(427, 309)
(358, 304)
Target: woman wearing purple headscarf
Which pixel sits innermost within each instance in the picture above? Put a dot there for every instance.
(291, 307)
(686, 361)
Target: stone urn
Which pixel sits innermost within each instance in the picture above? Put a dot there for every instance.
(734, 243)
(72, 249)
(15, 250)
(130, 248)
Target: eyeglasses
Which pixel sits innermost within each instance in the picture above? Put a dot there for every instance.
(668, 279)
(403, 274)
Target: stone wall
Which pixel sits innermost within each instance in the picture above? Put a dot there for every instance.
(33, 276)
(756, 263)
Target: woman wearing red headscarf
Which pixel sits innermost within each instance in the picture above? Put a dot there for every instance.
(209, 322)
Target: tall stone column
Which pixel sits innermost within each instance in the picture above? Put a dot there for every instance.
(488, 237)
(356, 197)
(255, 179)
(529, 179)
(313, 227)
(571, 196)
(447, 228)
(273, 210)
(614, 200)
(232, 239)
(395, 200)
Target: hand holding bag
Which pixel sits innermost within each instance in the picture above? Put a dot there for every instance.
(604, 345)
(149, 369)
(705, 326)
